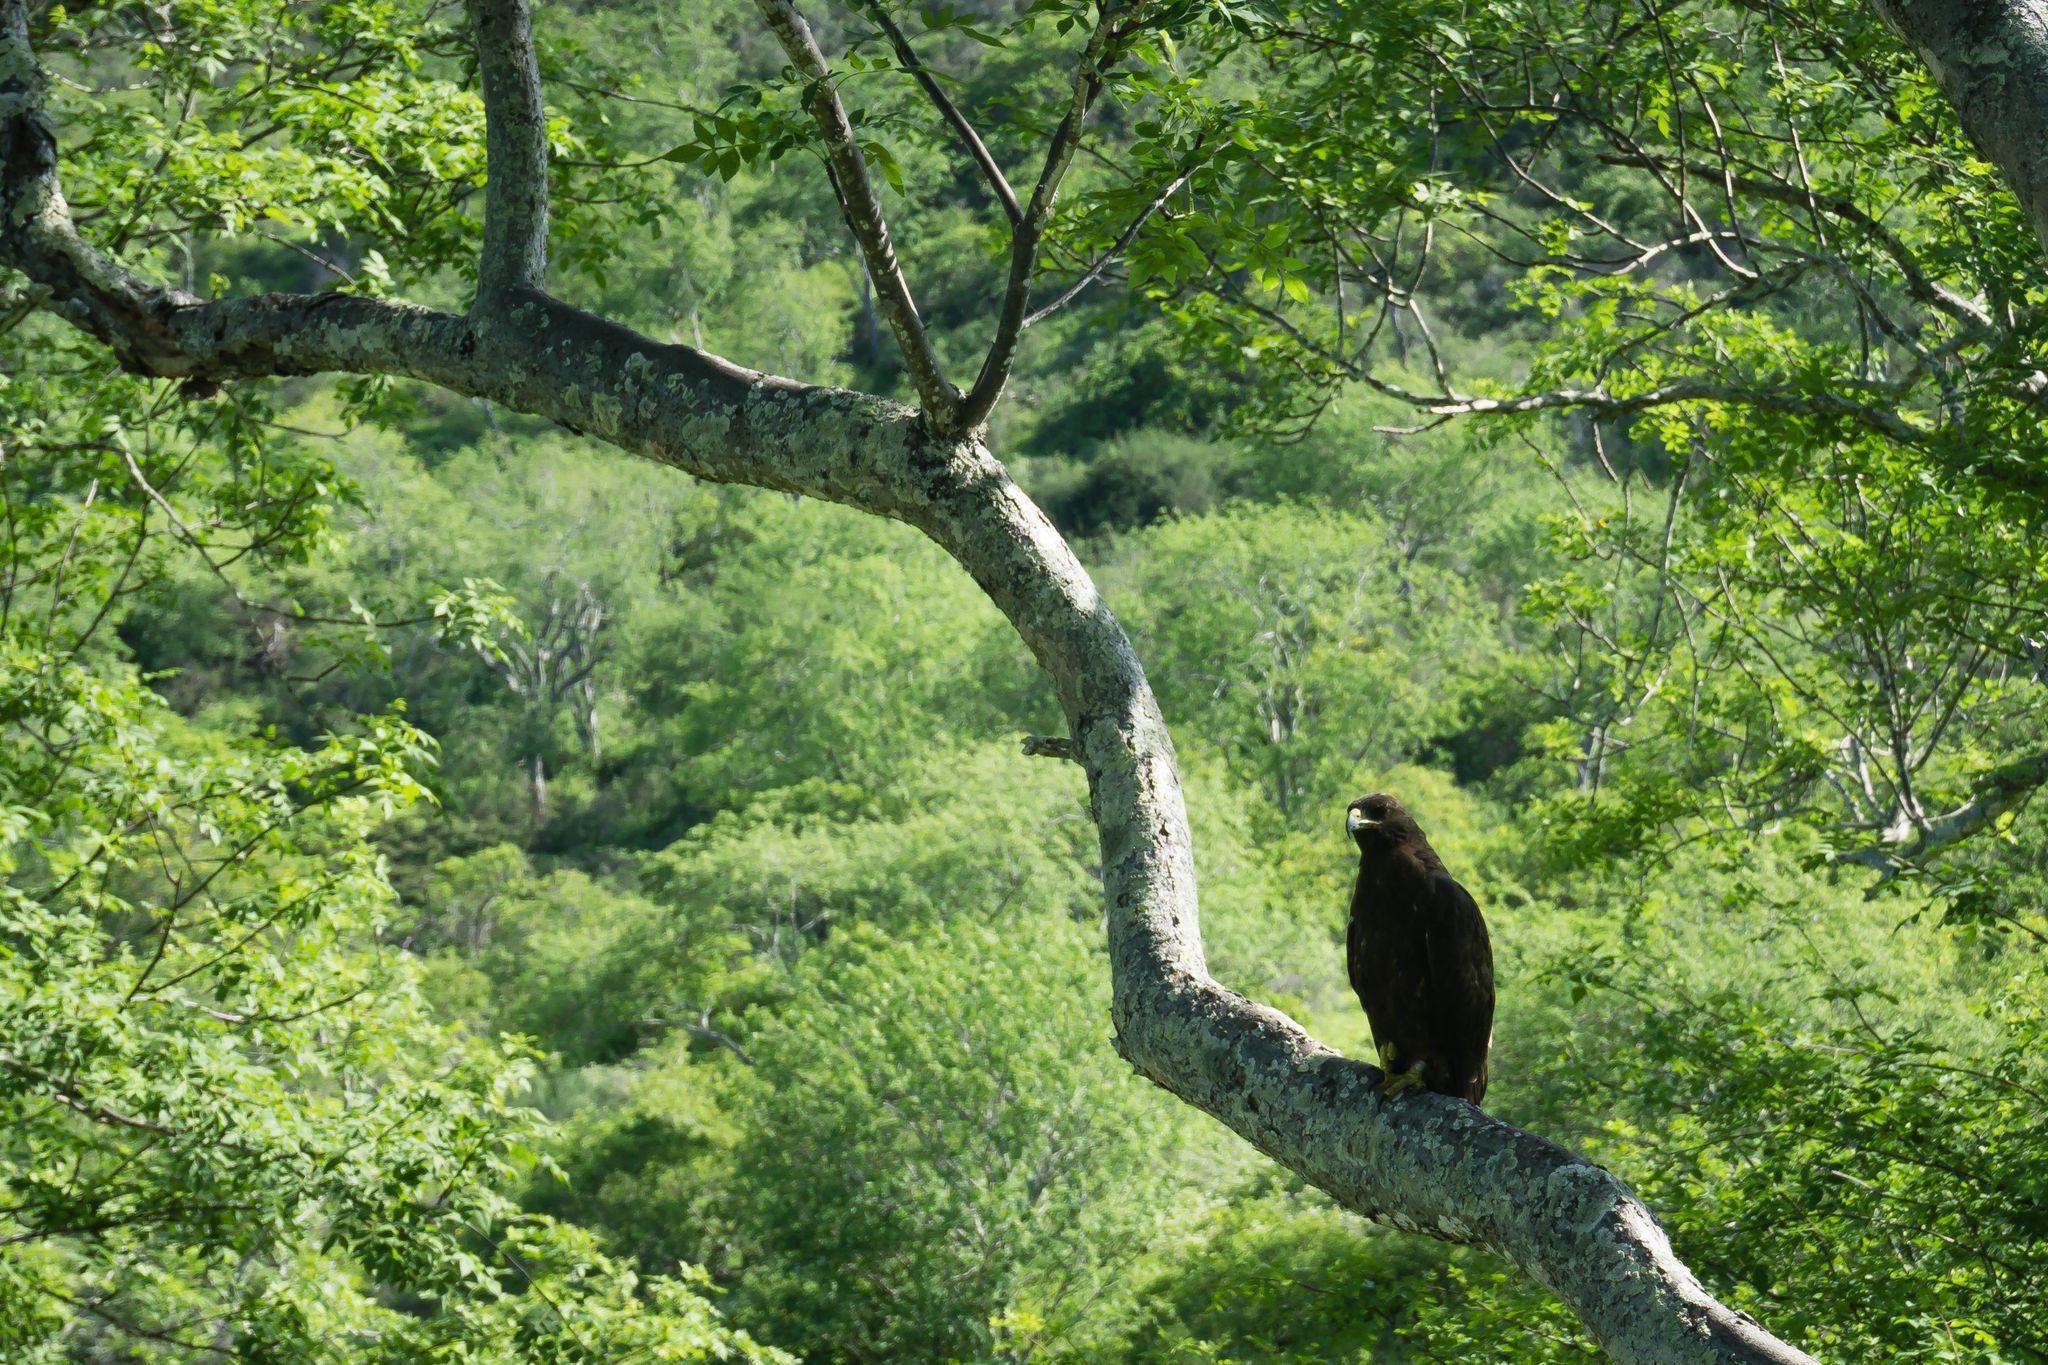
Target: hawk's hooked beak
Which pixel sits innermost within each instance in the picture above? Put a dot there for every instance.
(1354, 821)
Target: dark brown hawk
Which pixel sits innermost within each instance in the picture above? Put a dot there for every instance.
(1418, 957)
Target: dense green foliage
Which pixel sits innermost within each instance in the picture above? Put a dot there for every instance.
(233, 1117)
(471, 895)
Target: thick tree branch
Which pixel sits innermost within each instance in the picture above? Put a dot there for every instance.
(66, 276)
(863, 212)
(1990, 57)
(515, 252)
(2004, 788)
(1425, 1163)
(991, 173)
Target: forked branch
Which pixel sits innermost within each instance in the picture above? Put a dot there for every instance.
(2007, 787)
(1112, 23)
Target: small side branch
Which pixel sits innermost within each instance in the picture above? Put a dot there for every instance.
(1970, 313)
(1051, 746)
(950, 112)
(1883, 420)
(1116, 250)
(862, 209)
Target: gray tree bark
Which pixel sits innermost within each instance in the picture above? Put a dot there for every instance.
(1421, 1162)
(1990, 57)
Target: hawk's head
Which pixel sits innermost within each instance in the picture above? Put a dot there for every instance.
(1380, 820)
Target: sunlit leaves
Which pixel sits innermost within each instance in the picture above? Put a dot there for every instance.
(1860, 1141)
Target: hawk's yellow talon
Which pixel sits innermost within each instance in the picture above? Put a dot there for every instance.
(1397, 1081)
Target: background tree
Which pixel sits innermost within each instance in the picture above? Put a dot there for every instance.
(232, 1122)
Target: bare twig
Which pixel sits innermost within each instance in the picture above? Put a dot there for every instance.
(976, 148)
(1116, 250)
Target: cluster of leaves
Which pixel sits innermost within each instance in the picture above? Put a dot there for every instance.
(302, 146)
(1863, 1100)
